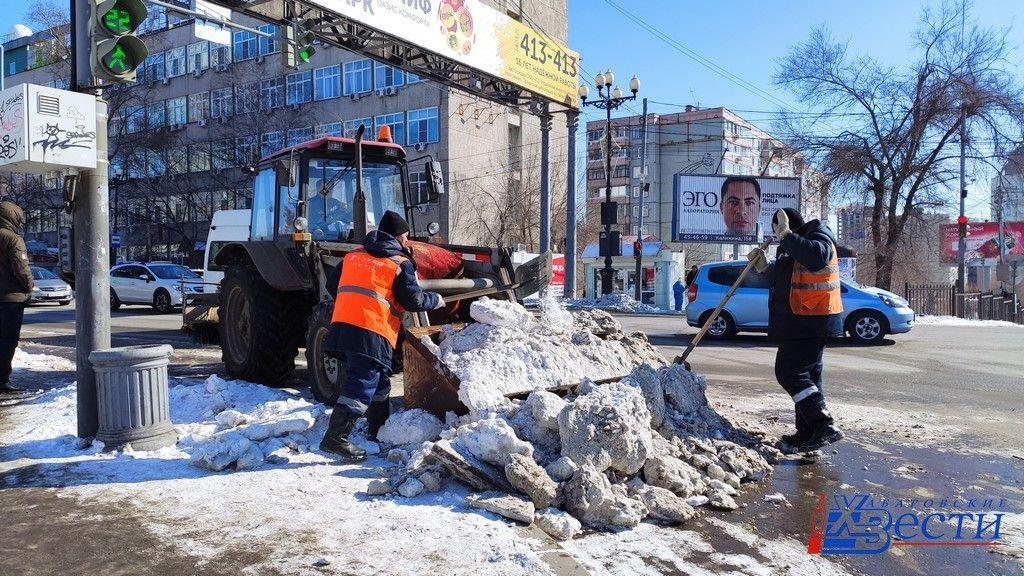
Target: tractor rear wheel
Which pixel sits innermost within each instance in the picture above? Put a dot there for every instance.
(326, 373)
(260, 327)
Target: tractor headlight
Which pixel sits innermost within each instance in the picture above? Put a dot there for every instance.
(433, 228)
(301, 224)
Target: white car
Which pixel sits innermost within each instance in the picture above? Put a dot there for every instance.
(157, 284)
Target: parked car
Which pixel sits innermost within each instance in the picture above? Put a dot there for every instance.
(49, 288)
(157, 284)
(868, 313)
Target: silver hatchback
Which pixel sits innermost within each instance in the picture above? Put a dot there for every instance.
(868, 313)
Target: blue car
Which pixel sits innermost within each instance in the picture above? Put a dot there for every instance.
(868, 313)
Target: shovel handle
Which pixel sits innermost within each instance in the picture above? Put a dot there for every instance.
(714, 315)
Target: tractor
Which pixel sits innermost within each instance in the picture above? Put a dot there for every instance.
(311, 204)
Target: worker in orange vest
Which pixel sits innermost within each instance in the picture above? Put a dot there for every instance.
(378, 283)
(804, 310)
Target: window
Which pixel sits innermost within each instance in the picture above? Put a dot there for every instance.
(595, 135)
(620, 171)
(387, 76)
(177, 160)
(724, 275)
(156, 19)
(156, 115)
(352, 125)
(330, 218)
(177, 111)
(222, 103)
(245, 151)
(636, 192)
(263, 205)
(198, 106)
(198, 56)
(621, 131)
(272, 93)
(595, 174)
(595, 154)
(423, 126)
(246, 47)
(247, 98)
(358, 77)
(134, 119)
(332, 129)
(299, 135)
(419, 186)
(619, 152)
(299, 88)
(199, 157)
(396, 122)
(636, 172)
(411, 78)
(223, 154)
(154, 69)
(327, 83)
(219, 55)
(155, 164)
(175, 62)
(269, 45)
(271, 142)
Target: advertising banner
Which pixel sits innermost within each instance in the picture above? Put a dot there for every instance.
(982, 241)
(727, 209)
(476, 35)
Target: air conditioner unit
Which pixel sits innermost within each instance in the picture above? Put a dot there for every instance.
(391, 91)
(222, 67)
(381, 92)
(165, 81)
(197, 72)
(420, 146)
(203, 122)
(259, 59)
(222, 119)
(355, 96)
(293, 106)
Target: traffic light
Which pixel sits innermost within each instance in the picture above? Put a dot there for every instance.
(298, 46)
(116, 52)
(638, 249)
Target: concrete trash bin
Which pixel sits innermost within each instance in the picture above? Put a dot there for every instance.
(131, 390)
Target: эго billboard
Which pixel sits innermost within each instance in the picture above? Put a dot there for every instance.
(728, 208)
(474, 34)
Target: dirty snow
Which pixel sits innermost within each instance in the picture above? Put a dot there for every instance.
(410, 427)
(954, 321)
(616, 301)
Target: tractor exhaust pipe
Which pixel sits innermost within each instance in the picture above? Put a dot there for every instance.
(359, 201)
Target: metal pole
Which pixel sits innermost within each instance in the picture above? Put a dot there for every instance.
(92, 275)
(3, 66)
(545, 181)
(606, 277)
(569, 288)
(961, 276)
(638, 295)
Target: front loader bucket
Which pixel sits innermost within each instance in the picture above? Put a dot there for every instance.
(533, 275)
(429, 384)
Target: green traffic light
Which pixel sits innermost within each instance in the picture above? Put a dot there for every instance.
(118, 61)
(306, 53)
(118, 20)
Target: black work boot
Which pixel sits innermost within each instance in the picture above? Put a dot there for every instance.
(376, 415)
(789, 443)
(8, 388)
(823, 430)
(336, 439)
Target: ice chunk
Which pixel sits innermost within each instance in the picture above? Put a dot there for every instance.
(491, 440)
(545, 408)
(558, 524)
(431, 481)
(673, 474)
(500, 313)
(685, 390)
(230, 419)
(529, 478)
(721, 500)
(409, 427)
(608, 428)
(263, 430)
(411, 488)
(507, 505)
(664, 505)
(562, 469)
(379, 487)
(646, 378)
(590, 498)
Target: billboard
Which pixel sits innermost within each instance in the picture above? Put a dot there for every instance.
(728, 208)
(476, 35)
(982, 240)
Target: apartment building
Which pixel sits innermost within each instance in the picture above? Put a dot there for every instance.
(1007, 189)
(185, 135)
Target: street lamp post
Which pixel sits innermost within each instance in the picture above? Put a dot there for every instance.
(608, 99)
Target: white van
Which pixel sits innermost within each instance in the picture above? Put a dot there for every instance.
(226, 226)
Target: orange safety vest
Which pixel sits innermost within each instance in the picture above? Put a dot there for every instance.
(366, 298)
(816, 293)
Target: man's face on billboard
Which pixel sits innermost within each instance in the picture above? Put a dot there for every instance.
(740, 208)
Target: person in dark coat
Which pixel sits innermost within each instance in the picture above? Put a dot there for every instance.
(378, 283)
(691, 275)
(804, 311)
(15, 289)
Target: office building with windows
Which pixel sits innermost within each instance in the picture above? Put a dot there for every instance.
(185, 135)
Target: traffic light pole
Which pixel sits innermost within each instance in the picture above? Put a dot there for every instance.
(638, 282)
(91, 220)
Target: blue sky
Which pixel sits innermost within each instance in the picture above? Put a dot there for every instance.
(746, 38)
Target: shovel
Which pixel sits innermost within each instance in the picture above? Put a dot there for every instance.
(681, 359)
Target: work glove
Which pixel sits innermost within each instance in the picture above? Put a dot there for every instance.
(759, 259)
(440, 302)
(781, 224)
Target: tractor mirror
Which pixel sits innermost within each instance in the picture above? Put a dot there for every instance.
(436, 180)
(287, 171)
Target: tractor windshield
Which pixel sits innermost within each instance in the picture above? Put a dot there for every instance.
(331, 190)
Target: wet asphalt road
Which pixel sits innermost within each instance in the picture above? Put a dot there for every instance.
(968, 378)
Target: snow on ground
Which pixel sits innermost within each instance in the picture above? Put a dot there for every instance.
(616, 301)
(954, 321)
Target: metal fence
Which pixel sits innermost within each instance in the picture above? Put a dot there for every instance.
(943, 300)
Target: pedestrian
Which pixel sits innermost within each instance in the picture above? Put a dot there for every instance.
(677, 292)
(691, 275)
(804, 310)
(378, 283)
(15, 289)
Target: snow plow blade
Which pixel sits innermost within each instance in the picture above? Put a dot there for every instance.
(429, 384)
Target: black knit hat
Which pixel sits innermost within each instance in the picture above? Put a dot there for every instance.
(393, 224)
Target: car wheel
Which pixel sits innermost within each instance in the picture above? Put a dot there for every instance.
(866, 327)
(723, 327)
(115, 302)
(162, 301)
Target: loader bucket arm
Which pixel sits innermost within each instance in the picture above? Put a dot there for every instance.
(533, 275)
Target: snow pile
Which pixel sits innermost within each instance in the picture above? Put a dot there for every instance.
(616, 301)
(508, 351)
(954, 321)
(606, 456)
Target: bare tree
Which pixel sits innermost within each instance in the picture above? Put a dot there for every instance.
(893, 131)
